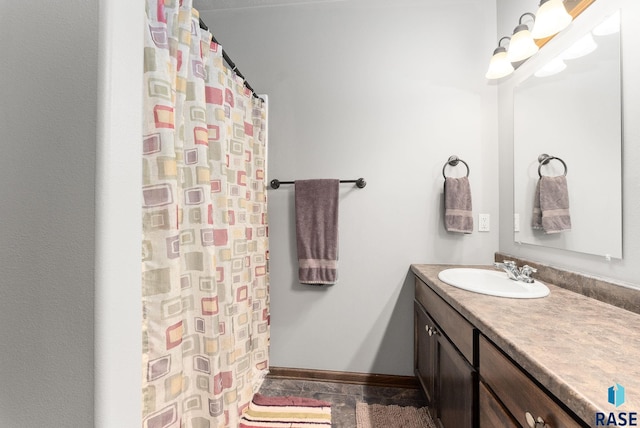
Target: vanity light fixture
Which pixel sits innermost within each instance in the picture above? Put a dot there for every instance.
(499, 66)
(551, 18)
(522, 45)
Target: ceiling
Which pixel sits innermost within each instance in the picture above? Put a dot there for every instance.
(242, 4)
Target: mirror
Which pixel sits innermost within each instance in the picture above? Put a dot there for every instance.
(571, 108)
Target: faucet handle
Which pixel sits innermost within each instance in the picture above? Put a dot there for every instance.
(525, 273)
(505, 264)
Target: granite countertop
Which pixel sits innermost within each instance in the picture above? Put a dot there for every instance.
(577, 347)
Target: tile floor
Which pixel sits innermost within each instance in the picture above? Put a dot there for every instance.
(343, 396)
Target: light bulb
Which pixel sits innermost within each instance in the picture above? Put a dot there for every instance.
(551, 18)
(499, 66)
(522, 45)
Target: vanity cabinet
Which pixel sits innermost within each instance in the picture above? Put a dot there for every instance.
(468, 381)
(446, 375)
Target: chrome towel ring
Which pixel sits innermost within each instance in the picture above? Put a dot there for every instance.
(545, 159)
(453, 161)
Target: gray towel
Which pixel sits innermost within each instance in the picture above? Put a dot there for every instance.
(551, 205)
(458, 216)
(317, 230)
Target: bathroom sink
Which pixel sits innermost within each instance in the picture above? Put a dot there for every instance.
(493, 283)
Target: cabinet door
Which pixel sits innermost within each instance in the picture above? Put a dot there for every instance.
(454, 387)
(425, 353)
(492, 414)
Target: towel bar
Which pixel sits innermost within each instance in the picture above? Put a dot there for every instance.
(545, 159)
(360, 183)
(453, 161)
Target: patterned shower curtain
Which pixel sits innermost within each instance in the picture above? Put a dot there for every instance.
(204, 246)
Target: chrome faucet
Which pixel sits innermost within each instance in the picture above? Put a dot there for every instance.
(510, 268)
(517, 274)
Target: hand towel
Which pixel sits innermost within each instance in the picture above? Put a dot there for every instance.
(458, 216)
(536, 219)
(316, 203)
(551, 205)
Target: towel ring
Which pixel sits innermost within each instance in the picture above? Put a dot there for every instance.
(545, 159)
(453, 161)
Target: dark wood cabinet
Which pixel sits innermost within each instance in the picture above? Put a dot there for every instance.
(468, 381)
(446, 376)
(455, 380)
(492, 413)
(425, 352)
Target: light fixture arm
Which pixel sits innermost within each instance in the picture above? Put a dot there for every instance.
(522, 26)
(526, 14)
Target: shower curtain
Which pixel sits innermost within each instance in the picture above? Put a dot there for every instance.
(204, 246)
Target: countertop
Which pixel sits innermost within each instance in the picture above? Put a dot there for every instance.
(575, 346)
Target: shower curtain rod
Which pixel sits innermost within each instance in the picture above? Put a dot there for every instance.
(228, 60)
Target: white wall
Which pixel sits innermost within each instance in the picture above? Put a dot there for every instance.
(118, 309)
(626, 270)
(47, 167)
(381, 90)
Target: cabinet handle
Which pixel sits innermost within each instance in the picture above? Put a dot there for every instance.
(431, 331)
(535, 423)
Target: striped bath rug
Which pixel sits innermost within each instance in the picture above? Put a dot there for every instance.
(286, 412)
(379, 416)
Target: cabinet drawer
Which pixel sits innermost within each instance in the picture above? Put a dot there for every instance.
(518, 393)
(458, 329)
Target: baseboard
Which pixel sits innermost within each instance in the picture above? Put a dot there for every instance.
(371, 379)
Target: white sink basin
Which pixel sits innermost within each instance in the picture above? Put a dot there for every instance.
(493, 283)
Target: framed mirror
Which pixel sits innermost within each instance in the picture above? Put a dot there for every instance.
(570, 108)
